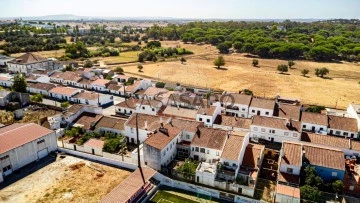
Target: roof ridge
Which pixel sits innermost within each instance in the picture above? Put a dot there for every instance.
(21, 125)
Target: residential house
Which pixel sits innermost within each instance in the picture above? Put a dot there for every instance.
(100, 85)
(208, 144)
(288, 194)
(150, 107)
(232, 123)
(109, 124)
(5, 59)
(4, 97)
(354, 112)
(40, 88)
(314, 122)
(288, 111)
(145, 123)
(187, 100)
(275, 129)
(63, 93)
(151, 92)
(122, 78)
(116, 89)
(86, 121)
(21, 144)
(237, 105)
(261, 107)
(6, 80)
(160, 146)
(92, 98)
(342, 126)
(126, 107)
(208, 114)
(30, 62)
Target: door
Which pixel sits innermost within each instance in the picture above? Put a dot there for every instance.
(5, 163)
(93, 151)
(258, 113)
(313, 129)
(272, 140)
(43, 153)
(196, 157)
(132, 140)
(331, 132)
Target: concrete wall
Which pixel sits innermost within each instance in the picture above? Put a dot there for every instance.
(263, 112)
(278, 136)
(309, 126)
(286, 199)
(152, 157)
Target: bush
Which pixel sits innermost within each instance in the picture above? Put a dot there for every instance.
(112, 145)
(119, 70)
(160, 84)
(220, 61)
(36, 98)
(315, 109)
(65, 104)
(282, 68)
(255, 62)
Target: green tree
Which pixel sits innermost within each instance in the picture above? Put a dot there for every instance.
(282, 68)
(315, 109)
(338, 186)
(310, 193)
(323, 71)
(88, 64)
(112, 145)
(291, 64)
(36, 98)
(311, 177)
(317, 72)
(255, 62)
(140, 67)
(119, 70)
(247, 92)
(183, 60)
(238, 46)
(223, 48)
(160, 85)
(19, 84)
(220, 61)
(65, 104)
(304, 72)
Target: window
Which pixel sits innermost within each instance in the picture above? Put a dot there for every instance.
(41, 141)
(345, 133)
(196, 149)
(143, 107)
(286, 133)
(243, 109)
(226, 163)
(5, 157)
(255, 129)
(294, 134)
(153, 109)
(234, 165)
(200, 119)
(263, 130)
(304, 126)
(217, 153)
(187, 137)
(202, 150)
(6, 168)
(272, 131)
(192, 148)
(338, 132)
(207, 151)
(242, 115)
(253, 111)
(208, 120)
(289, 170)
(267, 113)
(164, 153)
(334, 174)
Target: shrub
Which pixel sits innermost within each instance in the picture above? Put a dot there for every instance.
(255, 62)
(282, 68)
(36, 98)
(160, 84)
(65, 104)
(315, 109)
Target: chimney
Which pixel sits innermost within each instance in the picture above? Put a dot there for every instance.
(145, 125)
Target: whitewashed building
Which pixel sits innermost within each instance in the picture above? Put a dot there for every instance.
(261, 107)
(208, 114)
(63, 93)
(92, 98)
(40, 88)
(342, 126)
(314, 122)
(29, 62)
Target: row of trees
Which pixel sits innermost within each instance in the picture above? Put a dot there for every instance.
(321, 41)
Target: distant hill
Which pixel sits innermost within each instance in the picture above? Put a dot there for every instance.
(70, 17)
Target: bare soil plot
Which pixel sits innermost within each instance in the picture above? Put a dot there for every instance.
(66, 180)
(342, 87)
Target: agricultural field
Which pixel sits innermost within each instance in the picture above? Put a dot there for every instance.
(66, 180)
(340, 88)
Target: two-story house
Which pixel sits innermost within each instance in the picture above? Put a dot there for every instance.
(126, 107)
(275, 129)
(342, 126)
(261, 107)
(314, 122)
(30, 62)
(208, 114)
(237, 105)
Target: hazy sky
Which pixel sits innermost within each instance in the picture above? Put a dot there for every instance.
(240, 9)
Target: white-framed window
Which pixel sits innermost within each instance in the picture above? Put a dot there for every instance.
(263, 130)
(255, 129)
(187, 137)
(286, 133)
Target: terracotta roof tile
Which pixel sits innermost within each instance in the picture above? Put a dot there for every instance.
(16, 135)
(88, 120)
(277, 123)
(238, 99)
(355, 145)
(292, 154)
(95, 143)
(180, 112)
(288, 191)
(87, 95)
(162, 137)
(326, 157)
(288, 178)
(235, 122)
(314, 118)
(145, 121)
(210, 138)
(103, 82)
(343, 123)
(251, 156)
(288, 111)
(130, 186)
(41, 86)
(328, 140)
(129, 103)
(64, 90)
(110, 122)
(186, 125)
(232, 148)
(208, 110)
(152, 91)
(28, 58)
(262, 103)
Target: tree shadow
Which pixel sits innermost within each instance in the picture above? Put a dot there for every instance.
(220, 68)
(306, 76)
(284, 73)
(326, 78)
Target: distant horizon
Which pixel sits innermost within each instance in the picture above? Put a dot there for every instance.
(186, 9)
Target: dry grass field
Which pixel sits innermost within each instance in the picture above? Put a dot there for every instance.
(341, 87)
(66, 180)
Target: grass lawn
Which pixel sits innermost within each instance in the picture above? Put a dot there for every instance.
(162, 196)
(128, 56)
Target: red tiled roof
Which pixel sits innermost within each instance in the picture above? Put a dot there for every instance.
(162, 137)
(237, 99)
(326, 157)
(110, 122)
(151, 91)
(16, 135)
(88, 95)
(328, 140)
(288, 191)
(289, 111)
(277, 123)
(262, 103)
(235, 122)
(28, 58)
(355, 145)
(251, 156)
(152, 122)
(314, 118)
(129, 103)
(288, 178)
(101, 82)
(63, 90)
(343, 123)
(186, 125)
(232, 148)
(41, 86)
(210, 138)
(129, 187)
(208, 110)
(292, 154)
(88, 120)
(95, 143)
